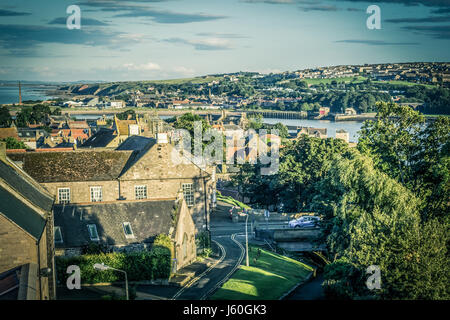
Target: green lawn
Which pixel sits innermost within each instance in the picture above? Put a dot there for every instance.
(405, 83)
(268, 279)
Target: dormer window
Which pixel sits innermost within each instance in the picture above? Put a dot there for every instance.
(127, 230)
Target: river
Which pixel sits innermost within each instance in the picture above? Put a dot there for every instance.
(9, 93)
(351, 126)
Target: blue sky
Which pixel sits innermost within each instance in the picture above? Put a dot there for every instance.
(163, 39)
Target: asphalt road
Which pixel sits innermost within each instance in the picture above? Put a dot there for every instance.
(208, 283)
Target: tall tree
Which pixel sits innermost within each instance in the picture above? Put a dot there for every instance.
(371, 219)
(5, 117)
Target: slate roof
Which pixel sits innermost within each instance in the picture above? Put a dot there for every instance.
(73, 166)
(137, 143)
(21, 214)
(100, 139)
(25, 186)
(147, 220)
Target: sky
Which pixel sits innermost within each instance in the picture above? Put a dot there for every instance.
(167, 39)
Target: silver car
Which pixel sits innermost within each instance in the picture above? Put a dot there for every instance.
(304, 222)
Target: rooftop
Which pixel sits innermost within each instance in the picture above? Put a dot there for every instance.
(147, 219)
(71, 166)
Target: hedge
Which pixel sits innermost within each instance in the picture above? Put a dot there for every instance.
(144, 265)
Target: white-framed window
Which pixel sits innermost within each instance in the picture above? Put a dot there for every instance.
(58, 235)
(96, 194)
(93, 234)
(127, 230)
(63, 195)
(140, 192)
(188, 194)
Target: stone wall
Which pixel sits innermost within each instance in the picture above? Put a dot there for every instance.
(80, 192)
(18, 248)
(185, 232)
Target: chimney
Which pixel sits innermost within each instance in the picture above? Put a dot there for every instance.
(20, 94)
(3, 150)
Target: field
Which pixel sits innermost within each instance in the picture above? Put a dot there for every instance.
(197, 80)
(268, 278)
(343, 79)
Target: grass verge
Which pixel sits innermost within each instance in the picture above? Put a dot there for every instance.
(267, 278)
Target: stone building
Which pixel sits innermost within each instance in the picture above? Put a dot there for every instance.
(157, 171)
(126, 226)
(312, 132)
(26, 235)
(343, 135)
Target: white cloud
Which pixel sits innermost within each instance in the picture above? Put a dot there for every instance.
(149, 66)
(184, 70)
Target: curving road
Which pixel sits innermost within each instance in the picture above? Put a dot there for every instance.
(201, 287)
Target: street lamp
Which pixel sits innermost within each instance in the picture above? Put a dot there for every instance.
(246, 241)
(103, 267)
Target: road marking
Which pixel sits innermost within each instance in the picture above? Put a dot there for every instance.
(221, 282)
(192, 281)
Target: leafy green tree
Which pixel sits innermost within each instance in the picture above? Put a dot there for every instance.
(303, 163)
(412, 151)
(35, 114)
(283, 131)
(187, 120)
(5, 117)
(124, 115)
(391, 140)
(255, 121)
(371, 219)
(13, 143)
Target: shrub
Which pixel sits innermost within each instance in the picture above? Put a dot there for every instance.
(145, 265)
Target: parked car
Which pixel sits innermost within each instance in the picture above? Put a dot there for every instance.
(304, 222)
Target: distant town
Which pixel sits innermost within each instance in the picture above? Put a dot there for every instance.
(334, 89)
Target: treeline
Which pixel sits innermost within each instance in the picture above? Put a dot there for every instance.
(384, 203)
(36, 114)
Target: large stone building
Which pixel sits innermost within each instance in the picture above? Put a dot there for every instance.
(126, 226)
(155, 172)
(26, 235)
(312, 132)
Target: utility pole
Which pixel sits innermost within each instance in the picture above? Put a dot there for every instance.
(246, 242)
